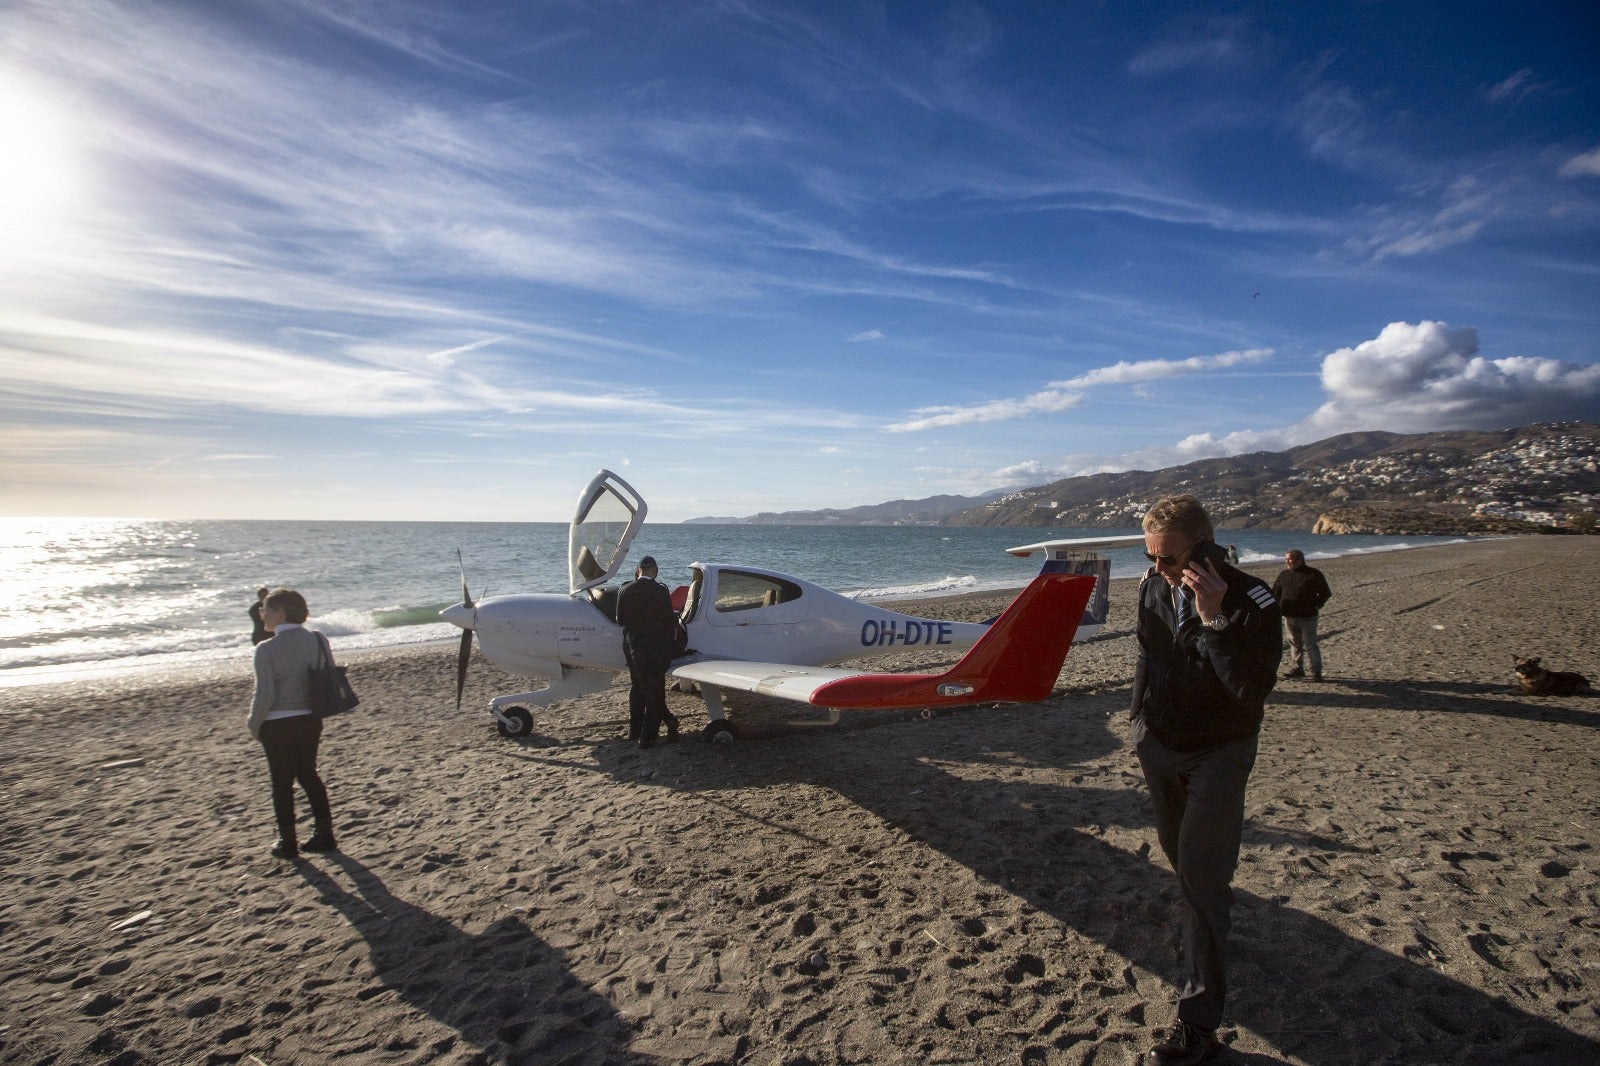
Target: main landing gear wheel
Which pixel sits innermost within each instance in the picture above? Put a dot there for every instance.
(521, 722)
(719, 732)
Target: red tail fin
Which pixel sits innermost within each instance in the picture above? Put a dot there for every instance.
(1017, 661)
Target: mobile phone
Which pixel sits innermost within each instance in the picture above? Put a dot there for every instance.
(1209, 552)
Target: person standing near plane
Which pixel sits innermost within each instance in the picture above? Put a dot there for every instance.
(644, 610)
(1302, 590)
(1210, 639)
(258, 629)
(281, 718)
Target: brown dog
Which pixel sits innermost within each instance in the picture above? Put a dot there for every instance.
(1541, 682)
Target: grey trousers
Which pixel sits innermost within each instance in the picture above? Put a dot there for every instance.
(1303, 642)
(1198, 801)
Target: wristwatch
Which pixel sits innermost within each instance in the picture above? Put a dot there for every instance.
(1218, 624)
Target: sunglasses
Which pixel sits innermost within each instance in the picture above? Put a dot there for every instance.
(1169, 560)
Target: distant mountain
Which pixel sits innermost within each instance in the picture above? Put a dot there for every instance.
(1538, 478)
(929, 512)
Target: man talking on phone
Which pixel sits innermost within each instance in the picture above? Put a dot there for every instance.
(1210, 638)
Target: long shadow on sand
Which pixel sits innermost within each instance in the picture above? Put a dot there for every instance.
(503, 990)
(1315, 991)
(1451, 697)
(1303, 983)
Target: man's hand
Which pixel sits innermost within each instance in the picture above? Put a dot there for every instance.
(1208, 588)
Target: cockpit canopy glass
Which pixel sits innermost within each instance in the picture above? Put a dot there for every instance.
(608, 516)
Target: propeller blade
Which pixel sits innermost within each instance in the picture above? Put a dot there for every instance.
(466, 597)
(461, 664)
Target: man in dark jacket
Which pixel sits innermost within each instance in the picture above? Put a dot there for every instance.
(1210, 638)
(644, 610)
(1302, 590)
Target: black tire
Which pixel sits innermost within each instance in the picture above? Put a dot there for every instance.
(521, 719)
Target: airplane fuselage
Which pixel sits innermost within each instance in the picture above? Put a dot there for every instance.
(739, 612)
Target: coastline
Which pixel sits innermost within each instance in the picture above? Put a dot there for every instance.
(1418, 877)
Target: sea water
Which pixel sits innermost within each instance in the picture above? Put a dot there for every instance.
(83, 597)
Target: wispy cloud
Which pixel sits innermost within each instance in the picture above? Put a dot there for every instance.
(1125, 373)
(1219, 46)
(169, 370)
(1583, 165)
(1064, 395)
(1465, 208)
(1516, 88)
(1047, 402)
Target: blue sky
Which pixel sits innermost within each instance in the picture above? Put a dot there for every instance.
(335, 259)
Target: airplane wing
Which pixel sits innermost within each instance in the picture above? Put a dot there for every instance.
(1016, 661)
(1054, 548)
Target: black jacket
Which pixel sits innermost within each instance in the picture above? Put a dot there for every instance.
(1301, 592)
(1200, 688)
(644, 609)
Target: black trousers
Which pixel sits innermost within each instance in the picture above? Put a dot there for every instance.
(1198, 800)
(291, 745)
(647, 694)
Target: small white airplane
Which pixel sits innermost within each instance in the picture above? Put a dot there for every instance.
(758, 630)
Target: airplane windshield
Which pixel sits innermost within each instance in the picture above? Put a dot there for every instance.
(601, 533)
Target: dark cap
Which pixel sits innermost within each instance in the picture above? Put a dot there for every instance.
(648, 563)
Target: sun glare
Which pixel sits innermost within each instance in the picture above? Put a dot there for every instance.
(40, 180)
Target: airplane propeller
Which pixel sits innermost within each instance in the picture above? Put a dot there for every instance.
(466, 635)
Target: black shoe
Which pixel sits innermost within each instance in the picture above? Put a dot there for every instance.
(320, 842)
(1185, 1045)
(284, 849)
(1296, 672)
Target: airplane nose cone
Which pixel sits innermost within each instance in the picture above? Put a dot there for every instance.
(460, 615)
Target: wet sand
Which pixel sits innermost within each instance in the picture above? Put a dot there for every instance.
(1420, 879)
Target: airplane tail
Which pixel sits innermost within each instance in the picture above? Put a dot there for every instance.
(1098, 607)
(1016, 661)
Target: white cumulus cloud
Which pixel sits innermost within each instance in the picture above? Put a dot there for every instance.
(1410, 378)
(1413, 378)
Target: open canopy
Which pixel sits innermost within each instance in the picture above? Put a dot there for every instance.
(607, 518)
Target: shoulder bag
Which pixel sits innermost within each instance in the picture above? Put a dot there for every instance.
(330, 689)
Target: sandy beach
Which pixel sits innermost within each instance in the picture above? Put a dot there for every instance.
(1420, 880)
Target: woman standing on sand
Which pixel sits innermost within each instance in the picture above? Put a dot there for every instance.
(282, 719)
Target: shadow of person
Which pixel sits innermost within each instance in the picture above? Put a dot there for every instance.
(1449, 697)
(1317, 993)
(503, 990)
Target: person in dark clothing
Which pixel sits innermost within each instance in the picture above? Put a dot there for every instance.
(1302, 590)
(259, 630)
(644, 610)
(1210, 638)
